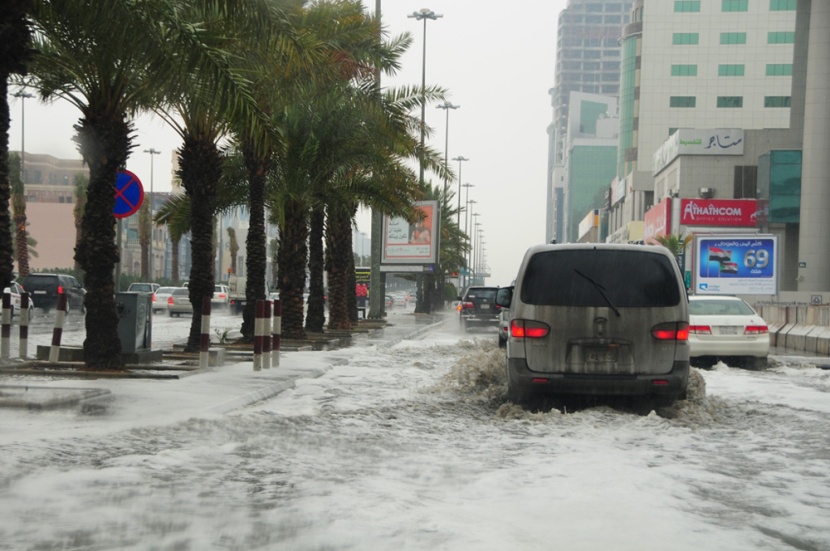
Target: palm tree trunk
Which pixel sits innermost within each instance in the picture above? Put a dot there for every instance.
(6, 249)
(18, 201)
(174, 259)
(339, 241)
(200, 170)
(256, 259)
(104, 144)
(316, 314)
(293, 258)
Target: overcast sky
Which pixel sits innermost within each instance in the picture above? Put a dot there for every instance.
(497, 62)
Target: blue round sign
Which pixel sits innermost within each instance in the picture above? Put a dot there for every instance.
(129, 194)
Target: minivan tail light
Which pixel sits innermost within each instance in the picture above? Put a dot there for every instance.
(700, 330)
(671, 331)
(467, 305)
(60, 289)
(525, 329)
(756, 330)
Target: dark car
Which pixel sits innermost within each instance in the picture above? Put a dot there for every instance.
(477, 308)
(45, 289)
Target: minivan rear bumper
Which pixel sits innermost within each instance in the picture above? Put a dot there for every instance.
(669, 385)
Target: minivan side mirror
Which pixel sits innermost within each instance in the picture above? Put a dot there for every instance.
(504, 296)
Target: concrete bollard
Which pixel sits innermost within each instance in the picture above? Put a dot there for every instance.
(57, 332)
(23, 342)
(266, 341)
(204, 337)
(5, 337)
(276, 333)
(260, 313)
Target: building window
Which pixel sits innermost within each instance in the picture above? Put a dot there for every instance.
(684, 70)
(685, 38)
(781, 5)
(777, 101)
(744, 182)
(779, 69)
(682, 101)
(730, 70)
(730, 102)
(686, 6)
(733, 38)
(781, 38)
(734, 5)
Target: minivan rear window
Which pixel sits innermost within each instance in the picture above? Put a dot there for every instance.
(627, 279)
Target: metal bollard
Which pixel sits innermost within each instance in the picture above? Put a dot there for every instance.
(57, 332)
(23, 342)
(276, 333)
(260, 311)
(204, 338)
(6, 335)
(266, 342)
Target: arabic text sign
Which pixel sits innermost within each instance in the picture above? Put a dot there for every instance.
(699, 141)
(657, 220)
(719, 212)
(736, 265)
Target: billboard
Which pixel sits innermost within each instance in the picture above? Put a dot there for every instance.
(736, 264)
(412, 243)
(718, 212)
(657, 220)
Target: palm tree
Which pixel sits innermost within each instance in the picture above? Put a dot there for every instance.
(676, 244)
(233, 246)
(18, 201)
(81, 186)
(15, 52)
(144, 234)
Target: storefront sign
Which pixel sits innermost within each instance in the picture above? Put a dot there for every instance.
(657, 221)
(718, 212)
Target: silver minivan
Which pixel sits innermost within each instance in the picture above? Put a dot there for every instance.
(597, 320)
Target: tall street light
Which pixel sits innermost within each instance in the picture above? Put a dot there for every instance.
(446, 106)
(466, 208)
(460, 160)
(153, 153)
(422, 301)
(377, 283)
(423, 15)
(22, 95)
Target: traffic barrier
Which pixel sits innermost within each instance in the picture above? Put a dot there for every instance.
(57, 332)
(260, 313)
(5, 337)
(204, 337)
(266, 341)
(276, 333)
(23, 341)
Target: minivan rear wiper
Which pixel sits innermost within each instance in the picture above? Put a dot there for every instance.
(601, 291)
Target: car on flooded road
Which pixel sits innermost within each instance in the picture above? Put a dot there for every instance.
(726, 328)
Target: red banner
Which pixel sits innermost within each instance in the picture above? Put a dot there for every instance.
(718, 212)
(657, 221)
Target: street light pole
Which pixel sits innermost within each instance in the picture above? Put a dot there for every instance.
(446, 106)
(460, 160)
(377, 283)
(423, 300)
(423, 15)
(22, 95)
(153, 153)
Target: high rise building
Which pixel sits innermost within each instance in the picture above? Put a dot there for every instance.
(587, 60)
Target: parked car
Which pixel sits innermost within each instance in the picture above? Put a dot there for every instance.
(179, 302)
(160, 298)
(504, 326)
(726, 328)
(400, 299)
(478, 308)
(390, 301)
(598, 320)
(45, 289)
(143, 287)
(15, 291)
(221, 297)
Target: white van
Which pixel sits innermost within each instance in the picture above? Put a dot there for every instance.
(597, 320)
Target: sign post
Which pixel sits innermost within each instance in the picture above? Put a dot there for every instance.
(129, 194)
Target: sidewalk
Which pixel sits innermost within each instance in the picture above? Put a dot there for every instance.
(67, 406)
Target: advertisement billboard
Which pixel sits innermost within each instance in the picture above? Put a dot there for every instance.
(719, 212)
(736, 264)
(415, 242)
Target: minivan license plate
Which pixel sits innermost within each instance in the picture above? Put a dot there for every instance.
(600, 355)
(39, 292)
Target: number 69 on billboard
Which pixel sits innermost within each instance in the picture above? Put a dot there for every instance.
(736, 264)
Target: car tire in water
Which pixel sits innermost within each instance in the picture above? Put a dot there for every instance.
(502, 342)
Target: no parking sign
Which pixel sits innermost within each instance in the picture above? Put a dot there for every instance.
(129, 194)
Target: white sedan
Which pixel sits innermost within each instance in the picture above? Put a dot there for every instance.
(726, 327)
(15, 290)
